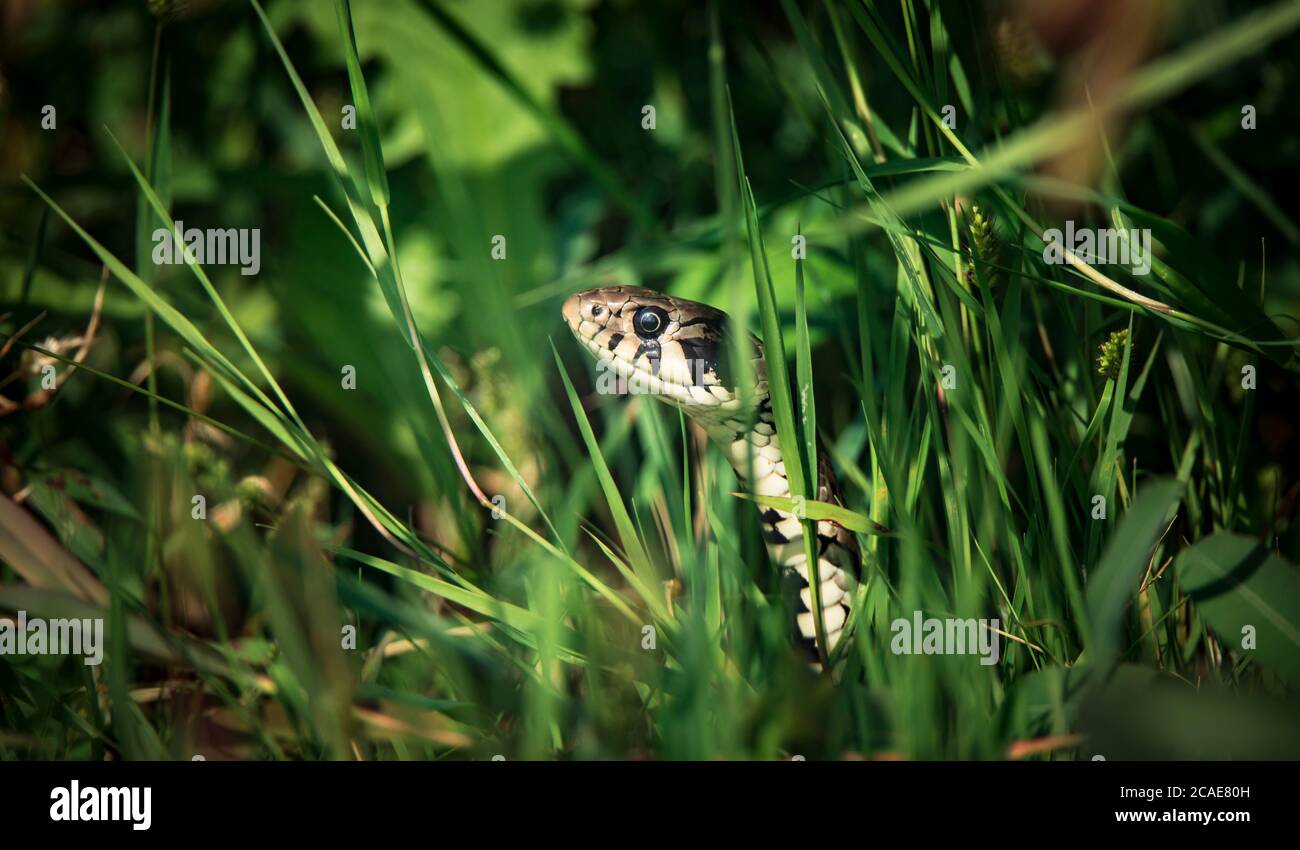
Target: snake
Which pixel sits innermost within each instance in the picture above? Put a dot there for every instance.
(679, 351)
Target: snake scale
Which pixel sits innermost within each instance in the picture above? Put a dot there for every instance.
(677, 351)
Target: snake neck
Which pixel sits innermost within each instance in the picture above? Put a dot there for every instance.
(755, 454)
(677, 350)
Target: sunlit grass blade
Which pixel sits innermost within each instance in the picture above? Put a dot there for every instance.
(521, 619)
(640, 561)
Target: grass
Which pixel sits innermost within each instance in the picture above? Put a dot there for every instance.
(473, 554)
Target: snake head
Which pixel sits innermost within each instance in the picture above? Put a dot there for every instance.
(675, 349)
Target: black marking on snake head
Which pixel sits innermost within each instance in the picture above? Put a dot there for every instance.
(771, 516)
(701, 320)
(700, 358)
(650, 348)
(723, 357)
(614, 341)
(708, 347)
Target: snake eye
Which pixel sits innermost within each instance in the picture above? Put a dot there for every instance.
(596, 310)
(648, 321)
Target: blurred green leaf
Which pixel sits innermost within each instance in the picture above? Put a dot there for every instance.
(1239, 585)
(1115, 581)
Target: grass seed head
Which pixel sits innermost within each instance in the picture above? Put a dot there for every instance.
(1111, 354)
(984, 244)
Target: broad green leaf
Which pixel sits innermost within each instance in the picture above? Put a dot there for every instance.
(1249, 596)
